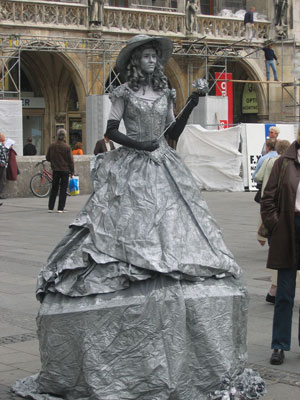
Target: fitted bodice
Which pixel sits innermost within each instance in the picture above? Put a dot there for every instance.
(144, 119)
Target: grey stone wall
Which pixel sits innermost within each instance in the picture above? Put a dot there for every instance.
(21, 187)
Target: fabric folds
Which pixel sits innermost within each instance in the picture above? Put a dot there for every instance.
(141, 299)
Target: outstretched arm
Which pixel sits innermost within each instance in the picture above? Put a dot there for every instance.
(177, 127)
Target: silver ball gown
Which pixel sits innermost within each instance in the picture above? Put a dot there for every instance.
(142, 299)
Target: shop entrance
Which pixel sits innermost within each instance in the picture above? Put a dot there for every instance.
(49, 92)
(33, 127)
(75, 131)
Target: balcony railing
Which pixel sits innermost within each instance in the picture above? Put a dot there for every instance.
(74, 16)
(43, 14)
(128, 20)
(229, 28)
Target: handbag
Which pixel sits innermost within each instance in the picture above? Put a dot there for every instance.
(263, 230)
(74, 186)
(257, 197)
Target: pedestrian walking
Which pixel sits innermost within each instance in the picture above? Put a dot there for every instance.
(60, 156)
(280, 212)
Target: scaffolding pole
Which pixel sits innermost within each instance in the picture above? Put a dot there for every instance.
(101, 54)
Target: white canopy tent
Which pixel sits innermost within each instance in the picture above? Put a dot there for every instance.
(224, 160)
(213, 157)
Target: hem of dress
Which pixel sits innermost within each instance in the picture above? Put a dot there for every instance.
(245, 386)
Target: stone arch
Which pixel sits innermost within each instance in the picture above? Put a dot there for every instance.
(54, 73)
(245, 69)
(175, 75)
(77, 68)
(255, 73)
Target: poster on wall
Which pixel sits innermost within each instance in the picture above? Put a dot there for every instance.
(11, 122)
(249, 99)
(225, 88)
(254, 136)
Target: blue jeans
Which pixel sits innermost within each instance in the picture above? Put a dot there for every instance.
(284, 302)
(271, 63)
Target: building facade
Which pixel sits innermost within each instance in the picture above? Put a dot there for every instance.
(55, 55)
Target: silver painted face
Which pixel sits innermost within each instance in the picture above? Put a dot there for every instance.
(148, 61)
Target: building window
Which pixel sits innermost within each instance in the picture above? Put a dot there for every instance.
(73, 99)
(214, 7)
(118, 3)
(75, 131)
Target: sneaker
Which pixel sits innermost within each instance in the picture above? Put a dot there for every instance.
(60, 211)
(277, 357)
(1, 204)
(50, 211)
(270, 298)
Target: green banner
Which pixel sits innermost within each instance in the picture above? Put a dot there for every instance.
(249, 100)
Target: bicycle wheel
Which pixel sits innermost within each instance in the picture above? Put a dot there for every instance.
(40, 185)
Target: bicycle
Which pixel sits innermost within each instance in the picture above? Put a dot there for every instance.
(40, 183)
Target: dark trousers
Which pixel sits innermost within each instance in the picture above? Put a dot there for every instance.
(2, 178)
(284, 303)
(60, 181)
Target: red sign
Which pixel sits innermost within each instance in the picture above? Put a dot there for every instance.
(222, 124)
(224, 88)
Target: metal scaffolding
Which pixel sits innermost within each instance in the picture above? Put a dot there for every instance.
(101, 54)
(96, 50)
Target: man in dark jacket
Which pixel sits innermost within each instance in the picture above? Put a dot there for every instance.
(29, 148)
(60, 156)
(249, 24)
(103, 145)
(280, 212)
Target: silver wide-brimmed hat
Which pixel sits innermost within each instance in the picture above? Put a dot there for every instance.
(165, 45)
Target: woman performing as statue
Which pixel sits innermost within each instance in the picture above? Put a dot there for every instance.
(142, 299)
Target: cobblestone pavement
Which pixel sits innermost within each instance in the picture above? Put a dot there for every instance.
(27, 236)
